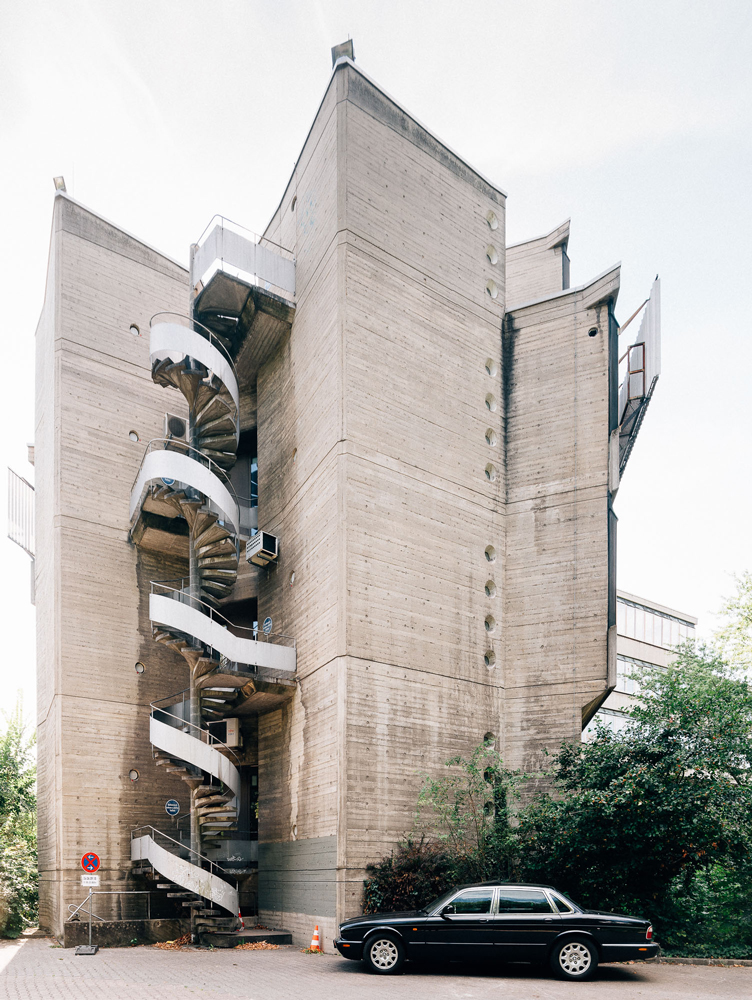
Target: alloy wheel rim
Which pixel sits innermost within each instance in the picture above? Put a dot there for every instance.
(575, 958)
(384, 953)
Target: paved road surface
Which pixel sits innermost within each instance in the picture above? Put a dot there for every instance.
(33, 969)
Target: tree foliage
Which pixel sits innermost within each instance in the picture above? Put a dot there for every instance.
(653, 820)
(18, 836)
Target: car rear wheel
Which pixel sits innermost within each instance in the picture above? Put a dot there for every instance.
(384, 954)
(575, 958)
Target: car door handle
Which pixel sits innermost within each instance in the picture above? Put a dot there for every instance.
(549, 920)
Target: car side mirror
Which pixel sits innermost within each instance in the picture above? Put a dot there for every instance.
(449, 908)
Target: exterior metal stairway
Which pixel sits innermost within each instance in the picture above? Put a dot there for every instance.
(242, 288)
(187, 357)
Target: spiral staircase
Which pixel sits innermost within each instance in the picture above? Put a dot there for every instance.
(187, 478)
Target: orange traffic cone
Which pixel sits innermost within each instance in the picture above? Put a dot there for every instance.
(242, 922)
(315, 940)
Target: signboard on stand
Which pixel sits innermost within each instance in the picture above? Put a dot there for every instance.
(90, 862)
(90, 880)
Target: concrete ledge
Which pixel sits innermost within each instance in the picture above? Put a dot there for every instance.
(119, 933)
(233, 938)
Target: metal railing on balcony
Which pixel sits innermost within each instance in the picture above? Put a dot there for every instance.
(21, 512)
(229, 247)
(178, 590)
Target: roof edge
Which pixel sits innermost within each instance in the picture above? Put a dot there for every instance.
(558, 235)
(579, 289)
(125, 232)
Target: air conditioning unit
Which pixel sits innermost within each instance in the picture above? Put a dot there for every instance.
(175, 427)
(232, 733)
(262, 549)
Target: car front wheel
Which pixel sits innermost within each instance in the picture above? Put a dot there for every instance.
(574, 958)
(384, 954)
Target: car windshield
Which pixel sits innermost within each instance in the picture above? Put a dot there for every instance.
(439, 901)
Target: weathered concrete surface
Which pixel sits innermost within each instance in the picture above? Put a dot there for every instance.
(117, 933)
(32, 970)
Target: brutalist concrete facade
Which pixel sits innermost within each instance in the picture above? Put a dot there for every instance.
(435, 436)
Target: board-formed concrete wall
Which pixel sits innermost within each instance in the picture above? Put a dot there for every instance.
(93, 388)
(440, 492)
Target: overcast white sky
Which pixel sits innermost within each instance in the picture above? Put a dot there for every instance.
(633, 118)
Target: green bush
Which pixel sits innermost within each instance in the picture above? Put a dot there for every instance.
(18, 835)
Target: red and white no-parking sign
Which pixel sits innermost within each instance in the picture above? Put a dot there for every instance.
(90, 862)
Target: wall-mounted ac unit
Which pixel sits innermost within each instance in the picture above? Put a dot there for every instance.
(232, 737)
(262, 549)
(175, 427)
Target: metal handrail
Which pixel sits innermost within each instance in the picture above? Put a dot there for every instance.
(183, 847)
(184, 596)
(208, 463)
(198, 328)
(243, 231)
(109, 892)
(184, 722)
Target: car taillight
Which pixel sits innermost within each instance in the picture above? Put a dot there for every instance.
(649, 934)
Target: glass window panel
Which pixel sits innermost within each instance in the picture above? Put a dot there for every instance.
(473, 901)
(561, 904)
(621, 618)
(523, 901)
(639, 624)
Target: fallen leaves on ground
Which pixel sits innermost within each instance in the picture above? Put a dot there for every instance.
(256, 946)
(175, 945)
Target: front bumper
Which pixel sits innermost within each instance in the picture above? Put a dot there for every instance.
(628, 952)
(349, 949)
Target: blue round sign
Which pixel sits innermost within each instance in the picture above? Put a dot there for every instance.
(90, 862)
(168, 482)
(172, 807)
(267, 626)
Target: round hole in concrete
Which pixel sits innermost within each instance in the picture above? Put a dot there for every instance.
(491, 403)
(490, 553)
(492, 254)
(133, 435)
(491, 367)
(292, 578)
(133, 774)
(489, 659)
(490, 623)
(135, 330)
(593, 331)
(492, 288)
(140, 667)
(491, 437)
(493, 222)
(490, 588)
(490, 471)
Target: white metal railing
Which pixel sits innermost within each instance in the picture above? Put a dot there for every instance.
(175, 463)
(158, 708)
(226, 246)
(178, 590)
(181, 612)
(176, 336)
(21, 512)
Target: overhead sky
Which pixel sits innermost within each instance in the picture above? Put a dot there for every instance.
(633, 118)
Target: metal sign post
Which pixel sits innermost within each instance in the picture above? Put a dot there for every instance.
(90, 863)
(88, 949)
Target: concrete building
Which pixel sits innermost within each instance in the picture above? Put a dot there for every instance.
(646, 636)
(426, 426)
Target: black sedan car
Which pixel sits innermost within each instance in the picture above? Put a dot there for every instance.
(499, 922)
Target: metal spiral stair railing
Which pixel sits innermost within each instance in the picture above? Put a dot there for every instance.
(193, 480)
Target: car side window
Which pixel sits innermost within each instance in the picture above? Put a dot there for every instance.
(561, 904)
(473, 901)
(523, 901)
